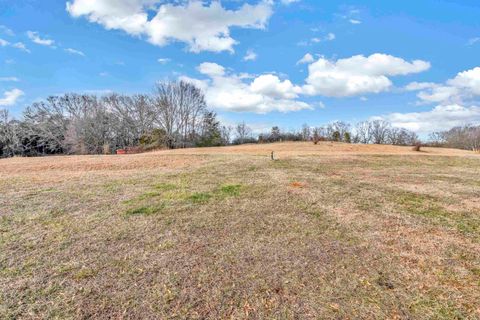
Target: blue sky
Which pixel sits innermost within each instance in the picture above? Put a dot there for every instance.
(283, 62)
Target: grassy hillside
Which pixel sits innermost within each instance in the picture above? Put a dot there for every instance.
(327, 231)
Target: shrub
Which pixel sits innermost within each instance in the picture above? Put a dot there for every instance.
(417, 146)
(336, 136)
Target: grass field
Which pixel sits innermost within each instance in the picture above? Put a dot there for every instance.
(332, 231)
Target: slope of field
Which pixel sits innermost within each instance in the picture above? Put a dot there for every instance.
(332, 231)
(289, 149)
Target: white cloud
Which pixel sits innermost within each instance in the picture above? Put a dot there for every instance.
(439, 94)
(21, 46)
(237, 92)
(250, 56)
(35, 37)
(415, 86)
(358, 74)
(9, 79)
(11, 97)
(465, 85)
(355, 21)
(467, 80)
(330, 37)
(352, 76)
(75, 52)
(473, 41)
(211, 69)
(270, 85)
(442, 117)
(17, 45)
(287, 2)
(174, 21)
(163, 60)
(6, 30)
(307, 58)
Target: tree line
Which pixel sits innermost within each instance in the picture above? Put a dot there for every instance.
(461, 137)
(376, 131)
(175, 115)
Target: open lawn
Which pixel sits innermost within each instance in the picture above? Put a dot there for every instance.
(328, 231)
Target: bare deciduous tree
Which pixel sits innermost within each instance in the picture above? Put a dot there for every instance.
(306, 132)
(175, 115)
(363, 132)
(379, 131)
(178, 107)
(464, 137)
(242, 132)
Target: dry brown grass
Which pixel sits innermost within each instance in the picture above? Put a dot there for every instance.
(287, 149)
(328, 231)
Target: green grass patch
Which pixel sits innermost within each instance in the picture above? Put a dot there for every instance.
(228, 190)
(85, 273)
(429, 207)
(436, 309)
(232, 190)
(149, 195)
(200, 197)
(165, 186)
(146, 210)
(421, 205)
(163, 190)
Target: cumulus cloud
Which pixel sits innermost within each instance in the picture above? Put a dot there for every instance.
(250, 56)
(35, 38)
(352, 76)
(174, 21)
(11, 97)
(465, 85)
(240, 93)
(467, 80)
(211, 69)
(307, 58)
(442, 117)
(415, 86)
(358, 74)
(439, 94)
(270, 85)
